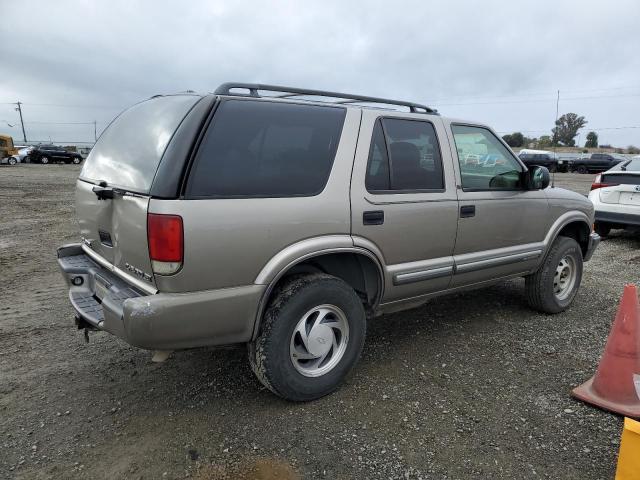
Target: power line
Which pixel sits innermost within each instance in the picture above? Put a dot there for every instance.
(530, 94)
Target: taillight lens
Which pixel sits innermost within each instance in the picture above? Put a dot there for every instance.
(597, 183)
(165, 235)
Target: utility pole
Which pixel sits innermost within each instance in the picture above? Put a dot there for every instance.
(95, 131)
(19, 109)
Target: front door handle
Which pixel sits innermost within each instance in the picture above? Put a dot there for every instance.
(467, 211)
(373, 217)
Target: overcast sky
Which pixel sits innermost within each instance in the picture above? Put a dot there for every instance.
(499, 62)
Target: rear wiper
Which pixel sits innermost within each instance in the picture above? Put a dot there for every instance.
(102, 191)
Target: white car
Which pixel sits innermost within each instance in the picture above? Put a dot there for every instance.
(616, 197)
(23, 153)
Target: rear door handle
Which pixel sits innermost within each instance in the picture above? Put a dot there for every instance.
(373, 217)
(467, 211)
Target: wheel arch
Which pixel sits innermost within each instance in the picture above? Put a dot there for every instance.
(574, 225)
(357, 266)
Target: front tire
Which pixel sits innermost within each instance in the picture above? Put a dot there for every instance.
(554, 286)
(12, 161)
(312, 336)
(44, 160)
(581, 169)
(76, 160)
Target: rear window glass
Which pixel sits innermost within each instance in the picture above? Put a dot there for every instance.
(266, 149)
(633, 164)
(128, 153)
(621, 178)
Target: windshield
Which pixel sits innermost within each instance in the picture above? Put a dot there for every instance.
(128, 152)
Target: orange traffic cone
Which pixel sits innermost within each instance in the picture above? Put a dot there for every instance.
(616, 384)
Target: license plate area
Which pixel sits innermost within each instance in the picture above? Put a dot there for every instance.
(101, 287)
(630, 198)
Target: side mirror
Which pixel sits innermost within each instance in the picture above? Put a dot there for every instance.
(538, 178)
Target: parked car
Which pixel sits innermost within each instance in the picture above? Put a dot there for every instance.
(53, 154)
(597, 162)
(286, 224)
(616, 197)
(23, 154)
(545, 159)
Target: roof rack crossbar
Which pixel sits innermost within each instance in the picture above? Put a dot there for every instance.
(253, 88)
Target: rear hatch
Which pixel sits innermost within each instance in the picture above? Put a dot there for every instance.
(624, 188)
(125, 160)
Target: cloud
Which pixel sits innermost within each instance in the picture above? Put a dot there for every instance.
(102, 56)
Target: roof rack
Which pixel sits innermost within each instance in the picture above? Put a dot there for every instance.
(287, 92)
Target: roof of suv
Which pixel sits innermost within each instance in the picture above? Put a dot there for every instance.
(256, 90)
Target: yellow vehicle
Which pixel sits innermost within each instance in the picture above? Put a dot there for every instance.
(8, 152)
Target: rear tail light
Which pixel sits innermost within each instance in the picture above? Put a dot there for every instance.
(597, 183)
(165, 235)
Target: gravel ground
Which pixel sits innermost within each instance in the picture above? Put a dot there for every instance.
(470, 386)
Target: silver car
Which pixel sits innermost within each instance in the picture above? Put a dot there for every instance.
(286, 218)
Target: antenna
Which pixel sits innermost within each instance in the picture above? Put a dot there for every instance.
(555, 142)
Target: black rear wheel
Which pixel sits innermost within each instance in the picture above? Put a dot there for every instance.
(312, 335)
(581, 169)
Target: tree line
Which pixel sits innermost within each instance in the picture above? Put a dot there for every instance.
(563, 134)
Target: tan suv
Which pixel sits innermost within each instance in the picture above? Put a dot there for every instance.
(284, 218)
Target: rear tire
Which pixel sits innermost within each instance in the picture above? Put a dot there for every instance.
(312, 336)
(12, 161)
(602, 229)
(76, 160)
(581, 169)
(554, 286)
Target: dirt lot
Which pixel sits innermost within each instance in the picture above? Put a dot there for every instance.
(473, 386)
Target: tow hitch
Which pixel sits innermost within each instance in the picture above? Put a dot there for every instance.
(84, 325)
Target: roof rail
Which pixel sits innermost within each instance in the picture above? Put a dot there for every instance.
(254, 88)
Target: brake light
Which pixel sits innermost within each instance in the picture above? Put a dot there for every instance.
(165, 235)
(597, 183)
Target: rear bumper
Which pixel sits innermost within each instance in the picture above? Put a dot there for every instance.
(160, 321)
(594, 241)
(618, 218)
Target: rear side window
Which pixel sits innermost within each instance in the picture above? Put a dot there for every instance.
(128, 152)
(266, 149)
(404, 156)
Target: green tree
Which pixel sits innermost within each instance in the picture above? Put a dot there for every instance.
(514, 140)
(544, 141)
(566, 129)
(633, 149)
(592, 140)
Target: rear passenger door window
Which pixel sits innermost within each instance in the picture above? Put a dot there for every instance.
(266, 149)
(404, 157)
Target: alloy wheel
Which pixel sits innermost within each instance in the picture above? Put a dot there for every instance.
(319, 340)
